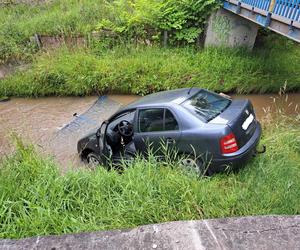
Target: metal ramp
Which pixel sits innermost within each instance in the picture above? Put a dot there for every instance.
(63, 146)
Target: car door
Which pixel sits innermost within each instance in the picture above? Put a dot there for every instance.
(103, 150)
(154, 127)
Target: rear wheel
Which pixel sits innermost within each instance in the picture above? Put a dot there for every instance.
(194, 165)
(93, 160)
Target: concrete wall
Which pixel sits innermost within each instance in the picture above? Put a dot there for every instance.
(248, 233)
(6, 70)
(227, 29)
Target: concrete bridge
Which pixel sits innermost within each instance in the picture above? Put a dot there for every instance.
(236, 24)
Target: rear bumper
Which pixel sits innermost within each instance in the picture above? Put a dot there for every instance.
(240, 157)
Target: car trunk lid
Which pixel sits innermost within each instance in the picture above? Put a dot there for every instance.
(240, 117)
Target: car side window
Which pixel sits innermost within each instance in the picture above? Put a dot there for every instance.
(151, 120)
(156, 119)
(170, 121)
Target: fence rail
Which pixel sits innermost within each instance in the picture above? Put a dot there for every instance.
(281, 16)
(263, 4)
(289, 9)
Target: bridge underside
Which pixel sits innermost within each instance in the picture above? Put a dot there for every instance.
(236, 24)
(285, 22)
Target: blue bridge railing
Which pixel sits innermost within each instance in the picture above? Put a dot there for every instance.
(289, 9)
(281, 16)
(263, 4)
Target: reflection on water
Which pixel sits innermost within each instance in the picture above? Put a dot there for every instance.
(288, 103)
(40, 120)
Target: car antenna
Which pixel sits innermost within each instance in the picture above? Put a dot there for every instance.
(190, 89)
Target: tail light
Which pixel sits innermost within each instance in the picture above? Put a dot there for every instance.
(228, 144)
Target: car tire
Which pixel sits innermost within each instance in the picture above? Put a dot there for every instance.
(93, 160)
(195, 165)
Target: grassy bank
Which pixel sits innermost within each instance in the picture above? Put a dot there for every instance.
(125, 20)
(36, 200)
(20, 22)
(111, 64)
(142, 70)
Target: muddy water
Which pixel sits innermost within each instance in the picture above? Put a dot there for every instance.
(266, 104)
(50, 124)
(37, 120)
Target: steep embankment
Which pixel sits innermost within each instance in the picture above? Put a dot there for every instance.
(37, 200)
(125, 56)
(142, 70)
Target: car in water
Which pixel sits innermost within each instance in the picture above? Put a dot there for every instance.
(210, 132)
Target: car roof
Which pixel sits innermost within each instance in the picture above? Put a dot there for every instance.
(163, 98)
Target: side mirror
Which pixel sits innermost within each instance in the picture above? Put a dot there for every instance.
(102, 128)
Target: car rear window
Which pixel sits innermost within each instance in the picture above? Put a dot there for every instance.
(206, 105)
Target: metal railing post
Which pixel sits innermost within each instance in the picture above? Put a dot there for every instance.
(272, 6)
(238, 9)
(271, 9)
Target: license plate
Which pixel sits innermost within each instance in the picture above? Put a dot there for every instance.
(247, 122)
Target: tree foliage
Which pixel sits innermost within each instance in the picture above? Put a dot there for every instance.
(147, 19)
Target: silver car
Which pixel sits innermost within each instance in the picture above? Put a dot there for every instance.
(209, 131)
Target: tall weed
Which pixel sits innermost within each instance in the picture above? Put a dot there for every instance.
(35, 199)
(143, 70)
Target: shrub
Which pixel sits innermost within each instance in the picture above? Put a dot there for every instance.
(144, 19)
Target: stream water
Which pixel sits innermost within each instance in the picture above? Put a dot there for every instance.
(55, 124)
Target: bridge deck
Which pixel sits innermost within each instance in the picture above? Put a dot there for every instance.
(281, 16)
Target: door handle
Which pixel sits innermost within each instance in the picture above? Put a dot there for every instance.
(170, 141)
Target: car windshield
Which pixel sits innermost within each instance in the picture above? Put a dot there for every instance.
(206, 105)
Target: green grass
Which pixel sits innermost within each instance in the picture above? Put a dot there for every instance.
(36, 200)
(19, 22)
(126, 68)
(132, 20)
(142, 70)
